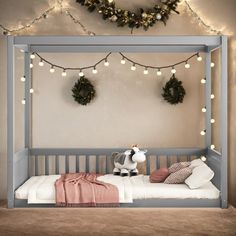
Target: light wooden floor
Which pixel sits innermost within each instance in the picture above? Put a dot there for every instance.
(115, 221)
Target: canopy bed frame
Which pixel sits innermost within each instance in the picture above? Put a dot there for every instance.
(19, 168)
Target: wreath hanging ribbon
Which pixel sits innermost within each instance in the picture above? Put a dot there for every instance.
(83, 91)
(145, 18)
(173, 92)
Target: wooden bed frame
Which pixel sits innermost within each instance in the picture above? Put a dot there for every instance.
(23, 164)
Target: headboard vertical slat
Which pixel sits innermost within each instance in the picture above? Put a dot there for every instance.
(168, 161)
(148, 165)
(157, 162)
(87, 164)
(67, 163)
(46, 165)
(57, 164)
(107, 169)
(77, 163)
(36, 165)
(97, 164)
(188, 158)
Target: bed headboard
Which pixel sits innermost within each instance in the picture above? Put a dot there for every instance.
(64, 160)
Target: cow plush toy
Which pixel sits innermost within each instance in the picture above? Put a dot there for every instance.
(126, 163)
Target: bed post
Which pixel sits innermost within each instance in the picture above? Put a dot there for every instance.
(208, 99)
(27, 115)
(223, 123)
(10, 121)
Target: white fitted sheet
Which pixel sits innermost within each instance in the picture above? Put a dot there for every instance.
(41, 189)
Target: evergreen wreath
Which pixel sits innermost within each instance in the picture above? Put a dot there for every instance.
(145, 18)
(173, 92)
(83, 91)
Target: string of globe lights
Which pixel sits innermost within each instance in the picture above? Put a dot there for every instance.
(60, 5)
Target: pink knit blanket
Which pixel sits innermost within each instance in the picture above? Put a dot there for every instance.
(83, 189)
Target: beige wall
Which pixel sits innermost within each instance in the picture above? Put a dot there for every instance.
(128, 108)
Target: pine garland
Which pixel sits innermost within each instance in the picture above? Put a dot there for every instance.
(173, 92)
(83, 91)
(145, 18)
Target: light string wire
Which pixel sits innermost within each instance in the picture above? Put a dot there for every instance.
(43, 16)
(200, 20)
(158, 67)
(73, 68)
(123, 57)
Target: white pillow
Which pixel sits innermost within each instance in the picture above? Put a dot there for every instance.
(200, 176)
(196, 163)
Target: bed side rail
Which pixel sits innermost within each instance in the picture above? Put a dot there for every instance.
(66, 160)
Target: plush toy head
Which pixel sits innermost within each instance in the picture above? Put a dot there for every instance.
(138, 155)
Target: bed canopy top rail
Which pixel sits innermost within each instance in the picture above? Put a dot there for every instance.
(167, 44)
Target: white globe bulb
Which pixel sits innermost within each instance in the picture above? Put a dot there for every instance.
(41, 63)
(106, 63)
(95, 71)
(199, 58)
(212, 121)
(202, 132)
(145, 72)
(212, 146)
(212, 64)
(31, 65)
(23, 101)
(204, 109)
(133, 67)
(173, 70)
(122, 61)
(212, 96)
(203, 81)
(81, 73)
(52, 70)
(187, 66)
(22, 78)
(63, 73)
(31, 90)
(203, 158)
(158, 16)
(32, 56)
(159, 73)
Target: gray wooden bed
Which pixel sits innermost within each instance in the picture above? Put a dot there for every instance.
(23, 164)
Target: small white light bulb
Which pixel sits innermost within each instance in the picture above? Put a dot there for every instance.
(95, 70)
(203, 81)
(204, 109)
(145, 72)
(22, 78)
(32, 56)
(212, 64)
(23, 101)
(203, 158)
(213, 121)
(212, 96)
(31, 90)
(212, 146)
(159, 72)
(81, 73)
(122, 61)
(63, 73)
(41, 63)
(52, 70)
(22, 50)
(187, 65)
(133, 67)
(110, 1)
(199, 58)
(203, 132)
(106, 63)
(31, 65)
(173, 70)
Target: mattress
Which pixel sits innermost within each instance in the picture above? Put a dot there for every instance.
(40, 189)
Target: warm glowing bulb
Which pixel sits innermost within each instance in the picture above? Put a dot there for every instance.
(22, 50)
(203, 158)
(122, 61)
(173, 70)
(159, 72)
(23, 101)
(204, 109)
(133, 67)
(203, 81)
(187, 65)
(106, 63)
(41, 63)
(203, 132)
(212, 96)
(199, 58)
(212, 121)
(31, 90)
(63, 73)
(212, 146)
(32, 56)
(31, 65)
(52, 70)
(81, 73)
(212, 64)
(145, 72)
(95, 70)
(110, 1)
(22, 78)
